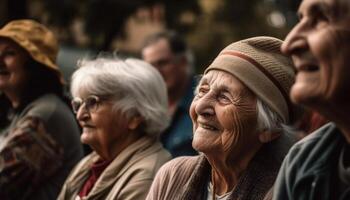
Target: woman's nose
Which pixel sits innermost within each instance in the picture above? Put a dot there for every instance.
(82, 114)
(205, 105)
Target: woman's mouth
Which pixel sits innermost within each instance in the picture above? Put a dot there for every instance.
(208, 127)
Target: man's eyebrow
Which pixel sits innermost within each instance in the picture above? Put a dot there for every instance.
(315, 8)
(320, 7)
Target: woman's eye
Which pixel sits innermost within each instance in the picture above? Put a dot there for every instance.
(91, 102)
(224, 98)
(201, 92)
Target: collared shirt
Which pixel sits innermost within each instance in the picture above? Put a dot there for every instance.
(96, 170)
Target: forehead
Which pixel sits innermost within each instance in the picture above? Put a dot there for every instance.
(222, 79)
(156, 50)
(326, 5)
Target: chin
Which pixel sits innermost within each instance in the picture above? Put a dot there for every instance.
(304, 98)
(198, 145)
(202, 146)
(300, 94)
(85, 139)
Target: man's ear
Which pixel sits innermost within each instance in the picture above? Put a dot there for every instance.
(267, 136)
(134, 122)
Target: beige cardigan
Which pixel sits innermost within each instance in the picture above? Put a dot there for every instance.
(187, 178)
(129, 176)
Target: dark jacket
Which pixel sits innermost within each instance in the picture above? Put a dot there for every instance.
(177, 138)
(38, 149)
(309, 171)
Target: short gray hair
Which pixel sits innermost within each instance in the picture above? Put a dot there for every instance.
(138, 88)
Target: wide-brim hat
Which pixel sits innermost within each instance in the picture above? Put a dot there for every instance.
(37, 40)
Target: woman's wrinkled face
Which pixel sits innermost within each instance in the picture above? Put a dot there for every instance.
(102, 126)
(224, 118)
(319, 46)
(13, 74)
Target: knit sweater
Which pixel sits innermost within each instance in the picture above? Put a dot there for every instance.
(187, 178)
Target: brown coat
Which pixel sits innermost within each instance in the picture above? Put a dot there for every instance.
(187, 178)
(129, 176)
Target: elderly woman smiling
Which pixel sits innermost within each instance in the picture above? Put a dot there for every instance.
(238, 114)
(122, 108)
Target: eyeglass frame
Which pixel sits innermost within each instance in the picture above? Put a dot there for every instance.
(91, 107)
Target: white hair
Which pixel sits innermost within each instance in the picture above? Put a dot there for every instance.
(268, 120)
(136, 87)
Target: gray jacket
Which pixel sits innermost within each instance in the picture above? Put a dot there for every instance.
(309, 170)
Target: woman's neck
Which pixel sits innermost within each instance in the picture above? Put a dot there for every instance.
(14, 98)
(227, 170)
(224, 180)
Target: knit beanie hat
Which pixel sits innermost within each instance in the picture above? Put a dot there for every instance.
(36, 39)
(260, 65)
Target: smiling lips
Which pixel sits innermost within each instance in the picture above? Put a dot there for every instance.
(307, 67)
(87, 126)
(208, 126)
(305, 62)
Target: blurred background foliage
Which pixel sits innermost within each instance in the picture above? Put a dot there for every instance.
(85, 26)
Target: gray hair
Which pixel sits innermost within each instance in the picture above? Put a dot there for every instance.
(268, 120)
(136, 87)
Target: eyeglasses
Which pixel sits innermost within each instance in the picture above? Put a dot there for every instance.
(91, 103)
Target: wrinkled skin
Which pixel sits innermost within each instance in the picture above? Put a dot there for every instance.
(319, 46)
(224, 125)
(106, 130)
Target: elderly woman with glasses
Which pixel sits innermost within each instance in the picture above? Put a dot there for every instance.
(238, 114)
(121, 106)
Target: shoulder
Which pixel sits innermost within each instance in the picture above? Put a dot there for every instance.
(58, 121)
(179, 168)
(172, 177)
(48, 106)
(308, 143)
(308, 158)
(312, 151)
(147, 164)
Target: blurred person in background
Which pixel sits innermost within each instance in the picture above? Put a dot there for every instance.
(318, 167)
(239, 114)
(39, 137)
(169, 54)
(122, 108)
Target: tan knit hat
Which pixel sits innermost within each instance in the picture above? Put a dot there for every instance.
(35, 38)
(260, 65)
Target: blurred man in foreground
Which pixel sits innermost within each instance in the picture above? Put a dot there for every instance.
(318, 167)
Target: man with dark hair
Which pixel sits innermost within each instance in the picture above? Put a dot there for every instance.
(169, 54)
(318, 167)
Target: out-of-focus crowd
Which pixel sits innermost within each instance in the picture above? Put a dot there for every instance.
(267, 119)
